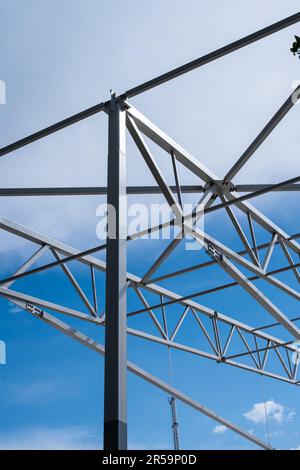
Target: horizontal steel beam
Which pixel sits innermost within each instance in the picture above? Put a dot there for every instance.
(220, 360)
(234, 46)
(92, 191)
(246, 188)
(96, 190)
(258, 192)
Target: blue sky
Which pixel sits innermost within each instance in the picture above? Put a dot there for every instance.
(63, 56)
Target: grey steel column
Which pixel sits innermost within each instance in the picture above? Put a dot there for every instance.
(115, 400)
(175, 425)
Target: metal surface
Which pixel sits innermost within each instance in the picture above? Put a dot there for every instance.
(115, 399)
(197, 310)
(175, 426)
(99, 348)
(102, 191)
(222, 338)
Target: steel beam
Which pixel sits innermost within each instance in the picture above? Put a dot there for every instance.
(150, 130)
(117, 279)
(92, 191)
(35, 257)
(94, 287)
(206, 200)
(15, 295)
(153, 167)
(155, 82)
(219, 356)
(272, 124)
(40, 239)
(75, 284)
(206, 264)
(206, 240)
(99, 348)
(30, 303)
(290, 259)
(29, 234)
(131, 190)
(253, 237)
(115, 401)
(213, 289)
(240, 231)
(223, 51)
(155, 289)
(192, 164)
(246, 188)
(176, 178)
(261, 219)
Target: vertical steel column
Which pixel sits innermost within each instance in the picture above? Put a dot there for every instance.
(115, 400)
(175, 425)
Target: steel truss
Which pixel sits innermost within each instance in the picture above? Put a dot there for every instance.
(223, 339)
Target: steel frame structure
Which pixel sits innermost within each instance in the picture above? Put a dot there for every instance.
(217, 331)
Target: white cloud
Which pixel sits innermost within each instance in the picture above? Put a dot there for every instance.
(65, 438)
(291, 416)
(274, 411)
(219, 429)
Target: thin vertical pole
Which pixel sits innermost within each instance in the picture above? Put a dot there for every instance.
(175, 425)
(94, 290)
(178, 189)
(115, 399)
